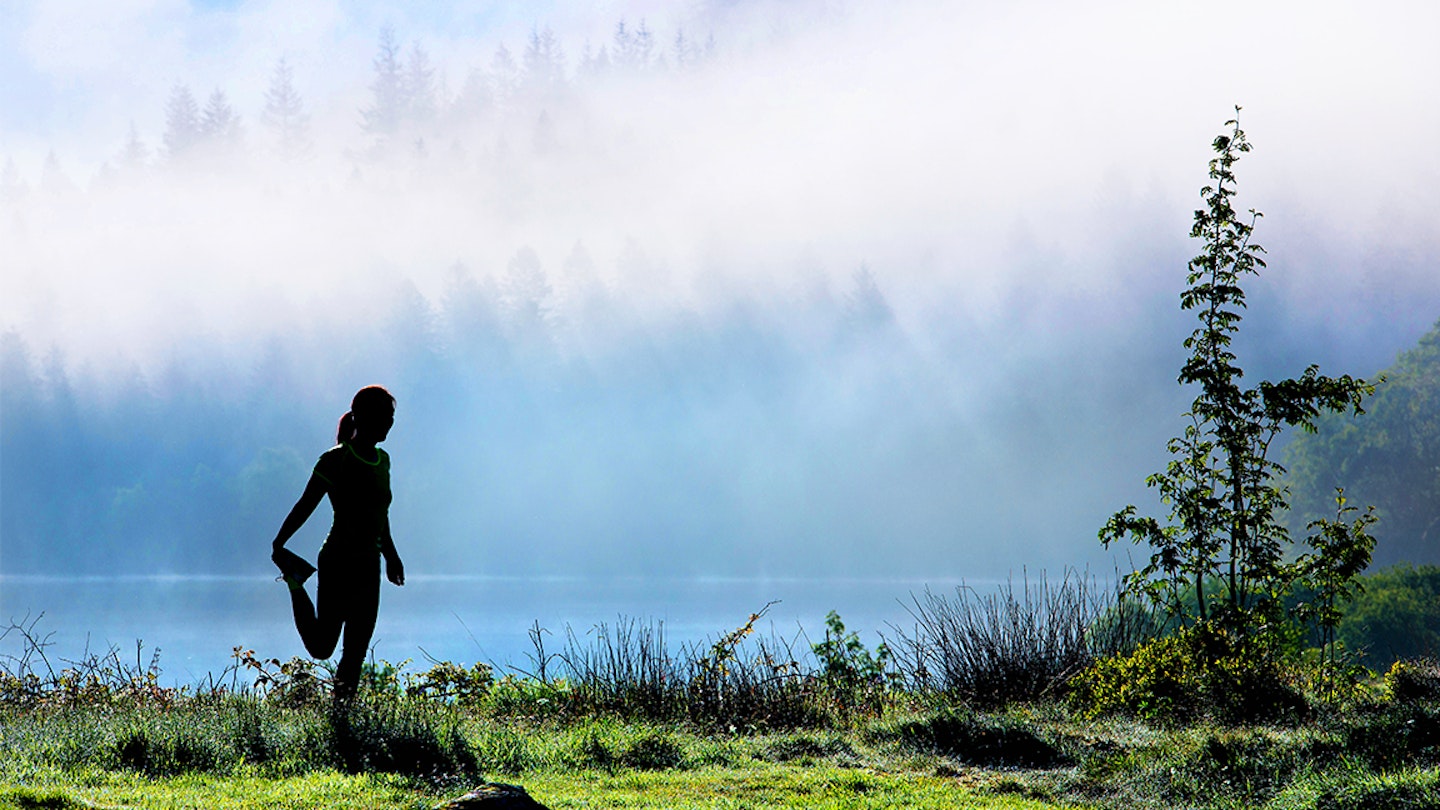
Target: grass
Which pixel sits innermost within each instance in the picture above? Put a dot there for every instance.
(1023, 757)
(759, 785)
(629, 722)
(84, 788)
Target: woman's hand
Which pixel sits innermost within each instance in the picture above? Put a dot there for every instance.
(394, 569)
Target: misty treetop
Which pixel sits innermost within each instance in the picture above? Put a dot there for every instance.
(502, 101)
(535, 432)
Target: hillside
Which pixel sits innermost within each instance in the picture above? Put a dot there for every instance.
(1389, 457)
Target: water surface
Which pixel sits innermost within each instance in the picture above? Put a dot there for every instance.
(195, 621)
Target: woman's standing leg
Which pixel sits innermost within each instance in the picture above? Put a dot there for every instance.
(362, 605)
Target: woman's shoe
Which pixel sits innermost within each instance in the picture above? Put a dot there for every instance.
(294, 569)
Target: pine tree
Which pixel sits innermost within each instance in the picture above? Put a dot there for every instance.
(382, 119)
(476, 99)
(505, 75)
(596, 63)
(633, 50)
(865, 306)
(182, 122)
(285, 114)
(53, 179)
(684, 51)
(544, 64)
(134, 154)
(219, 125)
(419, 87)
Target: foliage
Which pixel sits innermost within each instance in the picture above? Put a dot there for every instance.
(1390, 458)
(1190, 674)
(433, 733)
(1397, 616)
(1220, 482)
(452, 682)
(851, 675)
(294, 683)
(407, 737)
(1331, 574)
(1415, 681)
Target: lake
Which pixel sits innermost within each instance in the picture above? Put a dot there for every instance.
(195, 621)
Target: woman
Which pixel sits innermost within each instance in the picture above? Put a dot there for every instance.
(356, 475)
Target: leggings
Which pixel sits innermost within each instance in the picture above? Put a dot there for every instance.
(349, 597)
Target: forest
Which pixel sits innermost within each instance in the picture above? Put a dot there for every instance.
(648, 396)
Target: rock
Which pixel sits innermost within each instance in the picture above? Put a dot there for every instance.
(493, 796)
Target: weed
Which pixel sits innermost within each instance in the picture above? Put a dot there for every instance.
(1014, 645)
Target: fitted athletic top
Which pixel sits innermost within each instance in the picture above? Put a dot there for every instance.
(359, 493)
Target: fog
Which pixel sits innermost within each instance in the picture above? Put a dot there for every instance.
(830, 289)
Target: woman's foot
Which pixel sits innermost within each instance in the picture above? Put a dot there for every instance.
(294, 569)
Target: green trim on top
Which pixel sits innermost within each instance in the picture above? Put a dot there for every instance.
(379, 454)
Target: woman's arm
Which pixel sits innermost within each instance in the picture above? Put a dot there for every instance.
(301, 512)
(394, 568)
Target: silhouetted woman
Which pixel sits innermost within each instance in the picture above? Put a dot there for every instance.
(356, 475)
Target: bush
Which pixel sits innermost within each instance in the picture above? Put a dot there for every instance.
(452, 682)
(1394, 735)
(1414, 681)
(1192, 673)
(851, 676)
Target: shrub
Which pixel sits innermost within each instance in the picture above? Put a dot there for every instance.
(1414, 681)
(852, 676)
(452, 682)
(168, 751)
(1194, 672)
(1394, 735)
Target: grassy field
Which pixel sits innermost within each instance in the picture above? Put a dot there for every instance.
(757, 786)
(626, 722)
(252, 752)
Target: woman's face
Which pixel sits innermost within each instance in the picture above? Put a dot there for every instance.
(373, 424)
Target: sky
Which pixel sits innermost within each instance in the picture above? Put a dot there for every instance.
(1018, 177)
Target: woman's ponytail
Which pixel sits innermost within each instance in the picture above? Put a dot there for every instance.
(346, 431)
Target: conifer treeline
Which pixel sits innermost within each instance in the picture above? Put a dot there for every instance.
(410, 106)
(507, 431)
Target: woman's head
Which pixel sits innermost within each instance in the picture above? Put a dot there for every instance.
(371, 414)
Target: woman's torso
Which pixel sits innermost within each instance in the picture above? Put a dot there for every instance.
(359, 490)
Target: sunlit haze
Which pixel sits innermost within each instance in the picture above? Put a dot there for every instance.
(817, 288)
